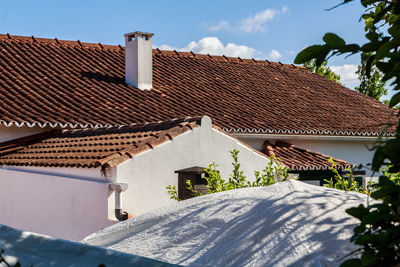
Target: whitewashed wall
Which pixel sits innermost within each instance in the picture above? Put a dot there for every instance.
(150, 172)
(65, 207)
(71, 203)
(354, 151)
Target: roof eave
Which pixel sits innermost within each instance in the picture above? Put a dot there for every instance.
(350, 136)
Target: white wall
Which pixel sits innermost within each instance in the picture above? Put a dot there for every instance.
(62, 207)
(14, 132)
(150, 172)
(79, 173)
(353, 151)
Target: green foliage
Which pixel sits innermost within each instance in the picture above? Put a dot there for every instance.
(215, 183)
(172, 192)
(379, 231)
(237, 178)
(394, 177)
(190, 187)
(371, 85)
(346, 184)
(322, 70)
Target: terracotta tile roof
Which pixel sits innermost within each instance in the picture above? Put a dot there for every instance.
(301, 159)
(89, 148)
(48, 82)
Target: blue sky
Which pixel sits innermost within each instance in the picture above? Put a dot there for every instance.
(273, 29)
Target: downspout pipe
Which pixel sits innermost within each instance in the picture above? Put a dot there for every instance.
(118, 189)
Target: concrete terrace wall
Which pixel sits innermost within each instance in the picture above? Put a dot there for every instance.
(64, 207)
(150, 172)
(354, 151)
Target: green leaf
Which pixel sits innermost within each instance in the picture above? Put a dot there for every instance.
(366, 3)
(310, 52)
(372, 36)
(333, 41)
(367, 259)
(394, 100)
(368, 66)
(358, 212)
(370, 47)
(359, 229)
(378, 159)
(380, 12)
(394, 30)
(385, 67)
(351, 263)
(373, 218)
(383, 50)
(350, 48)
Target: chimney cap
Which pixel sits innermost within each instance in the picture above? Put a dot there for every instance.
(146, 35)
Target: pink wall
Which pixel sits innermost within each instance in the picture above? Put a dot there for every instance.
(68, 208)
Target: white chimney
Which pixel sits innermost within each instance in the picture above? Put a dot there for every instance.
(138, 60)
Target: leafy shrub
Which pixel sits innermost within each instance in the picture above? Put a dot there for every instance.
(394, 177)
(215, 183)
(341, 183)
(173, 194)
(379, 230)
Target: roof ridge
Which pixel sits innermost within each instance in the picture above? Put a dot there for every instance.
(191, 54)
(159, 125)
(56, 41)
(223, 57)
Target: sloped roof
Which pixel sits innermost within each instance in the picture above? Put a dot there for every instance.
(47, 82)
(301, 159)
(89, 148)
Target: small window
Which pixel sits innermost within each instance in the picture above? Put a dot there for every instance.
(196, 176)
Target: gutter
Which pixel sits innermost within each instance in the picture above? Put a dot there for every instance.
(309, 137)
(118, 189)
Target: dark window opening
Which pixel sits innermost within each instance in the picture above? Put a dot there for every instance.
(318, 177)
(196, 177)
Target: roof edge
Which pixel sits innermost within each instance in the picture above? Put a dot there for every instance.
(256, 132)
(252, 132)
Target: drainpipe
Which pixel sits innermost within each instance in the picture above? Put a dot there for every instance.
(118, 188)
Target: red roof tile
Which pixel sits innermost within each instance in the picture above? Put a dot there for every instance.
(88, 148)
(73, 84)
(302, 159)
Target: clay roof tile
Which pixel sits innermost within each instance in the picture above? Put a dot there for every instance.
(87, 148)
(73, 84)
(299, 158)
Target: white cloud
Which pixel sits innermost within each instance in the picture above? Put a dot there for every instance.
(348, 75)
(254, 23)
(274, 55)
(222, 25)
(165, 47)
(213, 46)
